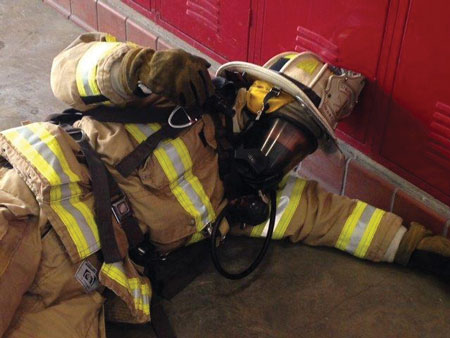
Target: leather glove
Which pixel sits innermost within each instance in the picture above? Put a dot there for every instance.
(181, 77)
(421, 249)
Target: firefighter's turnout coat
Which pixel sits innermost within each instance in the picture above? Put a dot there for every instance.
(52, 276)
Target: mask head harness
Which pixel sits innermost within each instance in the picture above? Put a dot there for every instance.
(293, 104)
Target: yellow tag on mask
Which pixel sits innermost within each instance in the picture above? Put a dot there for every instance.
(258, 91)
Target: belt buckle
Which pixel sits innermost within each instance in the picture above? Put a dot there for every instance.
(121, 208)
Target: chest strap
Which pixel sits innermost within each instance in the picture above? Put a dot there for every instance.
(108, 201)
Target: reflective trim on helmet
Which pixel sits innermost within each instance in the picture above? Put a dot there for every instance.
(138, 288)
(288, 200)
(43, 151)
(86, 72)
(359, 229)
(173, 157)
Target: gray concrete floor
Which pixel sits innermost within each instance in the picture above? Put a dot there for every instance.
(298, 292)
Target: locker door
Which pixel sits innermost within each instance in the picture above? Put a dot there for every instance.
(219, 25)
(417, 135)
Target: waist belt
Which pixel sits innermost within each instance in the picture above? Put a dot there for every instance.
(108, 201)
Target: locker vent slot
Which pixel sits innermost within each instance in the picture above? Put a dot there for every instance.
(314, 42)
(205, 12)
(438, 145)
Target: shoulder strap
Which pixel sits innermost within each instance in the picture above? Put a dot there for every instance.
(148, 114)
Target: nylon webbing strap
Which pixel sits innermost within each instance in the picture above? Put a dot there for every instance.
(148, 114)
(128, 223)
(134, 159)
(102, 203)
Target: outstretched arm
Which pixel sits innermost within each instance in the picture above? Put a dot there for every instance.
(316, 217)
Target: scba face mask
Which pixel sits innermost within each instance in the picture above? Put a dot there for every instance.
(271, 148)
(276, 138)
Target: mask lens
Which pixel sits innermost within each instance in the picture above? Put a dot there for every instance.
(285, 145)
(272, 147)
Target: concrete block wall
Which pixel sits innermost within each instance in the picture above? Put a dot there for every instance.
(354, 174)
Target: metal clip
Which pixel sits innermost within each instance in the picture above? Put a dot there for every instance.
(121, 209)
(180, 126)
(77, 134)
(207, 230)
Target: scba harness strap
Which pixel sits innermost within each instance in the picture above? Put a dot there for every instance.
(108, 198)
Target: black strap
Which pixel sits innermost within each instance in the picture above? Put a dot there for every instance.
(134, 159)
(125, 217)
(102, 203)
(108, 198)
(147, 114)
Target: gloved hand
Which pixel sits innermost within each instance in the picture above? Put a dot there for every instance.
(419, 248)
(180, 76)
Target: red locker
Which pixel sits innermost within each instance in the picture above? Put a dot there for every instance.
(345, 32)
(417, 134)
(221, 26)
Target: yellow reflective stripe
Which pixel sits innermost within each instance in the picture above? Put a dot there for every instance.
(290, 210)
(33, 156)
(349, 226)
(290, 56)
(51, 142)
(196, 237)
(175, 160)
(55, 191)
(140, 291)
(74, 231)
(193, 180)
(171, 173)
(86, 72)
(54, 146)
(288, 198)
(137, 133)
(371, 229)
(110, 38)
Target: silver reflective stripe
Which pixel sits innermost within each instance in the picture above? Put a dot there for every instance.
(86, 73)
(146, 129)
(360, 229)
(133, 284)
(282, 203)
(66, 194)
(177, 163)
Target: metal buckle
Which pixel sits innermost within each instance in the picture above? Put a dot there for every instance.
(180, 126)
(207, 230)
(77, 134)
(121, 209)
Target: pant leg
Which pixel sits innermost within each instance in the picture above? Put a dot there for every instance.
(57, 304)
(307, 213)
(20, 246)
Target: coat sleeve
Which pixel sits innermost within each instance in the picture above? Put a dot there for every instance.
(87, 73)
(307, 213)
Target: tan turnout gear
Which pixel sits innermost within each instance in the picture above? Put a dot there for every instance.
(174, 195)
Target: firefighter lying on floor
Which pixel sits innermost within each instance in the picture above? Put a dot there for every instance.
(58, 256)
